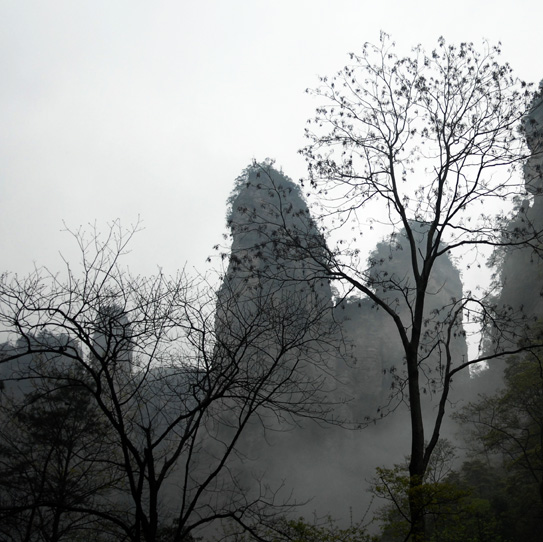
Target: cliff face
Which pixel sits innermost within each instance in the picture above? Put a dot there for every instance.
(519, 280)
(278, 250)
(274, 321)
(378, 356)
(275, 242)
(277, 260)
(273, 275)
(533, 127)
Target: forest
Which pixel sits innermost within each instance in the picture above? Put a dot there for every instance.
(312, 388)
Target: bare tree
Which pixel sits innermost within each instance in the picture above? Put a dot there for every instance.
(423, 147)
(175, 386)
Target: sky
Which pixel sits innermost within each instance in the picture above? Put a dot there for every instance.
(139, 110)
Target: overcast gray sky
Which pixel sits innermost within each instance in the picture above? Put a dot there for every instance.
(124, 108)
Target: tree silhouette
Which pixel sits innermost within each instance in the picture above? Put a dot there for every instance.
(423, 147)
(51, 442)
(176, 373)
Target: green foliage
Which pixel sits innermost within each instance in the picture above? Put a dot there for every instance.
(508, 427)
(510, 422)
(452, 512)
(329, 531)
(300, 530)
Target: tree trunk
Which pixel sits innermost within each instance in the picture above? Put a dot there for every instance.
(416, 463)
